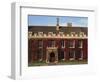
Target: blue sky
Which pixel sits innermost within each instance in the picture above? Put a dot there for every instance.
(63, 20)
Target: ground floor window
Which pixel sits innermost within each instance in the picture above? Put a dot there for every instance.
(40, 54)
(72, 54)
(61, 54)
(80, 54)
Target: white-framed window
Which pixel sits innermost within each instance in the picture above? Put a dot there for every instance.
(62, 43)
(40, 54)
(72, 54)
(80, 54)
(80, 43)
(40, 44)
(51, 43)
(71, 43)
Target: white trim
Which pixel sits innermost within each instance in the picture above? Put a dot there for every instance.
(35, 36)
(81, 55)
(73, 44)
(73, 56)
(64, 43)
(81, 44)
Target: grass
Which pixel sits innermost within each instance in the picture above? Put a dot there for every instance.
(43, 63)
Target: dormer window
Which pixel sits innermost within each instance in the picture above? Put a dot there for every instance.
(35, 34)
(81, 34)
(61, 33)
(50, 33)
(40, 33)
(51, 43)
(72, 33)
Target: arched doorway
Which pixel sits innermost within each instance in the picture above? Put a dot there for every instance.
(52, 57)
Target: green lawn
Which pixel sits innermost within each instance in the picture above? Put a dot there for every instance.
(43, 63)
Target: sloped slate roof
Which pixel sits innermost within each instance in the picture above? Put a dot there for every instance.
(65, 29)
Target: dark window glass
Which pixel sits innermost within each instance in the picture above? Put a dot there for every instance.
(40, 43)
(80, 43)
(61, 54)
(79, 53)
(71, 53)
(51, 43)
(62, 43)
(39, 54)
(71, 43)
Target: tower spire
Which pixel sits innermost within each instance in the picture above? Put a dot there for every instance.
(57, 26)
(57, 21)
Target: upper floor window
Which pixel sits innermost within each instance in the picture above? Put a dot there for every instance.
(62, 43)
(71, 43)
(80, 43)
(51, 43)
(40, 43)
(61, 54)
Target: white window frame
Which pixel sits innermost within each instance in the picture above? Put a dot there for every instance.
(81, 58)
(73, 43)
(81, 44)
(41, 43)
(64, 44)
(81, 34)
(73, 56)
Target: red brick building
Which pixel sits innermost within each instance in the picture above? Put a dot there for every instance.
(56, 43)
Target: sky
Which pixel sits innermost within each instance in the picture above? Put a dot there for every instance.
(52, 20)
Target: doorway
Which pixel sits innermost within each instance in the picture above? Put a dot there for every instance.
(52, 57)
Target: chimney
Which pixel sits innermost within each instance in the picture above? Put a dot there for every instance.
(69, 25)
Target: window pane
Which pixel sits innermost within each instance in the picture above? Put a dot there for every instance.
(51, 43)
(71, 53)
(62, 43)
(40, 43)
